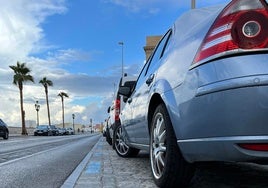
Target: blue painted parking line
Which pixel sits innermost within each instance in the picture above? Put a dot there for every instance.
(93, 167)
(97, 154)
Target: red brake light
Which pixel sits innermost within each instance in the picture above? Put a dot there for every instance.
(242, 26)
(255, 147)
(117, 109)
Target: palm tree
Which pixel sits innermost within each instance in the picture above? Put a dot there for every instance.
(21, 75)
(45, 82)
(62, 95)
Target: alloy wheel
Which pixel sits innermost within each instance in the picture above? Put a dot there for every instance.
(120, 144)
(158, 146)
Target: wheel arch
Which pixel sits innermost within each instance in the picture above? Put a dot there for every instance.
(154, 102)
(170, 103)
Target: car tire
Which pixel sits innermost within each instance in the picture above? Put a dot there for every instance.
(113, 137)
(169, 168)
(121, 148)
(6, 135)
(108, 137)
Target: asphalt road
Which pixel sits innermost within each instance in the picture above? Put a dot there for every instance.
(41, 161)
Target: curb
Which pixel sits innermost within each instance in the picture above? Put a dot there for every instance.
(72, 179)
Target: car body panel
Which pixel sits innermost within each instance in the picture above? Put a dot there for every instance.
(62, 131)
(69, 131)
(113, 122)
(54, 130)
(175, 76)
(4, 132)
(43, 130)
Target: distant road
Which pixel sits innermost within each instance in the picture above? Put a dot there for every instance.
(42, 161)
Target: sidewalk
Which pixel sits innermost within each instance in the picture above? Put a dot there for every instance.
(103, 168)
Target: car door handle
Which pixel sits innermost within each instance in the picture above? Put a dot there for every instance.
(129, 100)
(150, 79)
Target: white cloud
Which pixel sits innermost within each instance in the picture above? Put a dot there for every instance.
(68, 55)
(21, 33)
(82, 90)
(20, 26)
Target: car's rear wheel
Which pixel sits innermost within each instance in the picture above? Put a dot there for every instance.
(168, 166)
(121, 148)
(6, 135)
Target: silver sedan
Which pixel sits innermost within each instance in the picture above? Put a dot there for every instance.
(203, 94)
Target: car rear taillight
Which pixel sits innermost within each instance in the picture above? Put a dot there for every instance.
(117, 109)
(255, 147)
(241, 27)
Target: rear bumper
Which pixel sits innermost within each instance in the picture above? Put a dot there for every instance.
(223, 115)
(41, 133)
(222, 149)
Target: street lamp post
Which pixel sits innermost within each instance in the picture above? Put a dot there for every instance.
(91, 126)
(122, 45)
(73, 115)
(37, 108)
(193, 4)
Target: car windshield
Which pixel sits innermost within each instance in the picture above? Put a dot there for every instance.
(42, 127)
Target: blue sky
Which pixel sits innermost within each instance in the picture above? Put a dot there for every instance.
(74, 43)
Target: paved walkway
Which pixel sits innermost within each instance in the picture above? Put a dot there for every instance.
(103, 168)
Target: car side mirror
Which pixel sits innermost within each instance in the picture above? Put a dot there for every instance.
(125, 99)
(124, 90)
(108, 110)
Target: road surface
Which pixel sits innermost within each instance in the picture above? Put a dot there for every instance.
(42, 161)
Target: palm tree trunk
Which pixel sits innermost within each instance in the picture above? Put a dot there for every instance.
(23, 127)
(62, 112)
(48, 113)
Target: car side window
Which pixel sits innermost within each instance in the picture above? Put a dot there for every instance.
(156, 55)
(159, 51)
(142, 74)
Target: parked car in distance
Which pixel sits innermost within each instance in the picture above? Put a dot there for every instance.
(117, 105)
(69, 131)
(202, 95)
(55, 130)
(107, 128)
(43, 130)
(62, 131)
(4, 132)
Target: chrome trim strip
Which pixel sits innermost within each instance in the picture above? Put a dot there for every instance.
(143, 146)
(230, 138)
